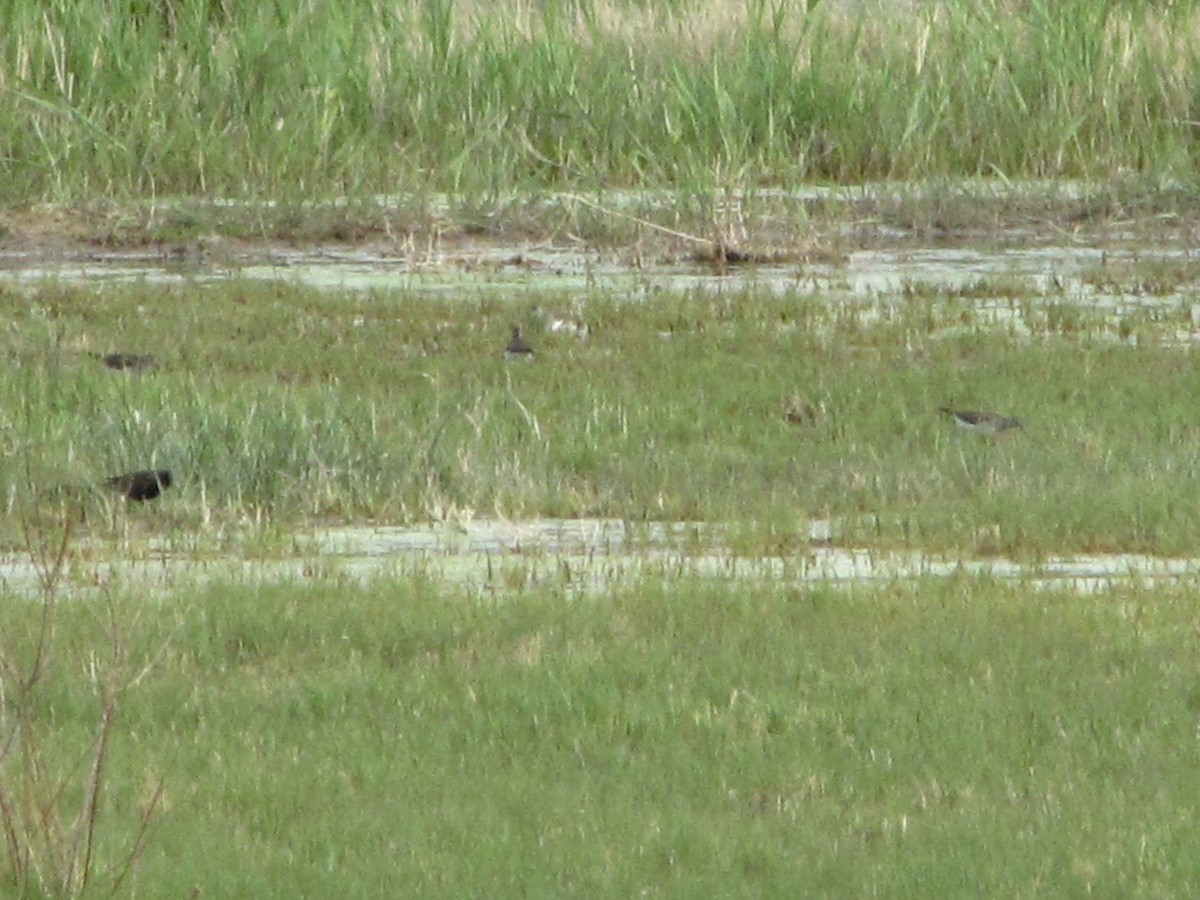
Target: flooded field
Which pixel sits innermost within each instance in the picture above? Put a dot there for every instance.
(831, 543)
(1014, 282)
(883, 277)
(599, 449)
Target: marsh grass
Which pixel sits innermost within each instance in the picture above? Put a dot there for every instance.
(735, 737)
(294, 406)
(194, 98)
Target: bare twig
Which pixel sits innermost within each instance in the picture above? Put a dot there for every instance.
(670, 232)
(43, 851)
(139, 842)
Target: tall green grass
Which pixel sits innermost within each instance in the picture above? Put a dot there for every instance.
(731, 738)
(302, 100)
(296, 406)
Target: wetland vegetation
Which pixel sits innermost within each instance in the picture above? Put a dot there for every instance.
(492, 104)
(667, 735)
(318, 735)
(303, 407)
(409, 739)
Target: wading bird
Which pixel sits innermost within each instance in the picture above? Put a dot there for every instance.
(517, 346)
(981, 422)
(142, 485)
(133, 362)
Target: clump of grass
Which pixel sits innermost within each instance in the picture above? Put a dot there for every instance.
(1153, 277)
(741, 738)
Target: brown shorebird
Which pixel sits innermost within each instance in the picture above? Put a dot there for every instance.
(981, 422)
(142, 485)
(132, 362)
(799, 411)
(517, 346)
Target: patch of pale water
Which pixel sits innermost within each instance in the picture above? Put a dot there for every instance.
(585, 556)
(879, 278)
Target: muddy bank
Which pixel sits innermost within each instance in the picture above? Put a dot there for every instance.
(632, 229)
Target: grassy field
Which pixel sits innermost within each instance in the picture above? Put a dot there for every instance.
(659, 737)
(282, 404)
(719, 737)
(307, 100)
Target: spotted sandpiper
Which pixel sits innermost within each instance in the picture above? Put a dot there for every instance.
(518, 347)
(142, 485)
(981, 422)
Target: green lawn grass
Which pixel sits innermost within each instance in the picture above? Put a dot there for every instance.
(727, 737)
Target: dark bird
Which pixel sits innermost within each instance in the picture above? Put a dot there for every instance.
(142, 485)
(133, 362)
(981, 422)
(517, 346)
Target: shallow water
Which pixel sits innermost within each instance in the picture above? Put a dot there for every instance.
(578, 555)
(877, 279)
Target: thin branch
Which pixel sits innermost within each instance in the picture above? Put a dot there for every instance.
(139, 842)
(682, 235)
(91, 802)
